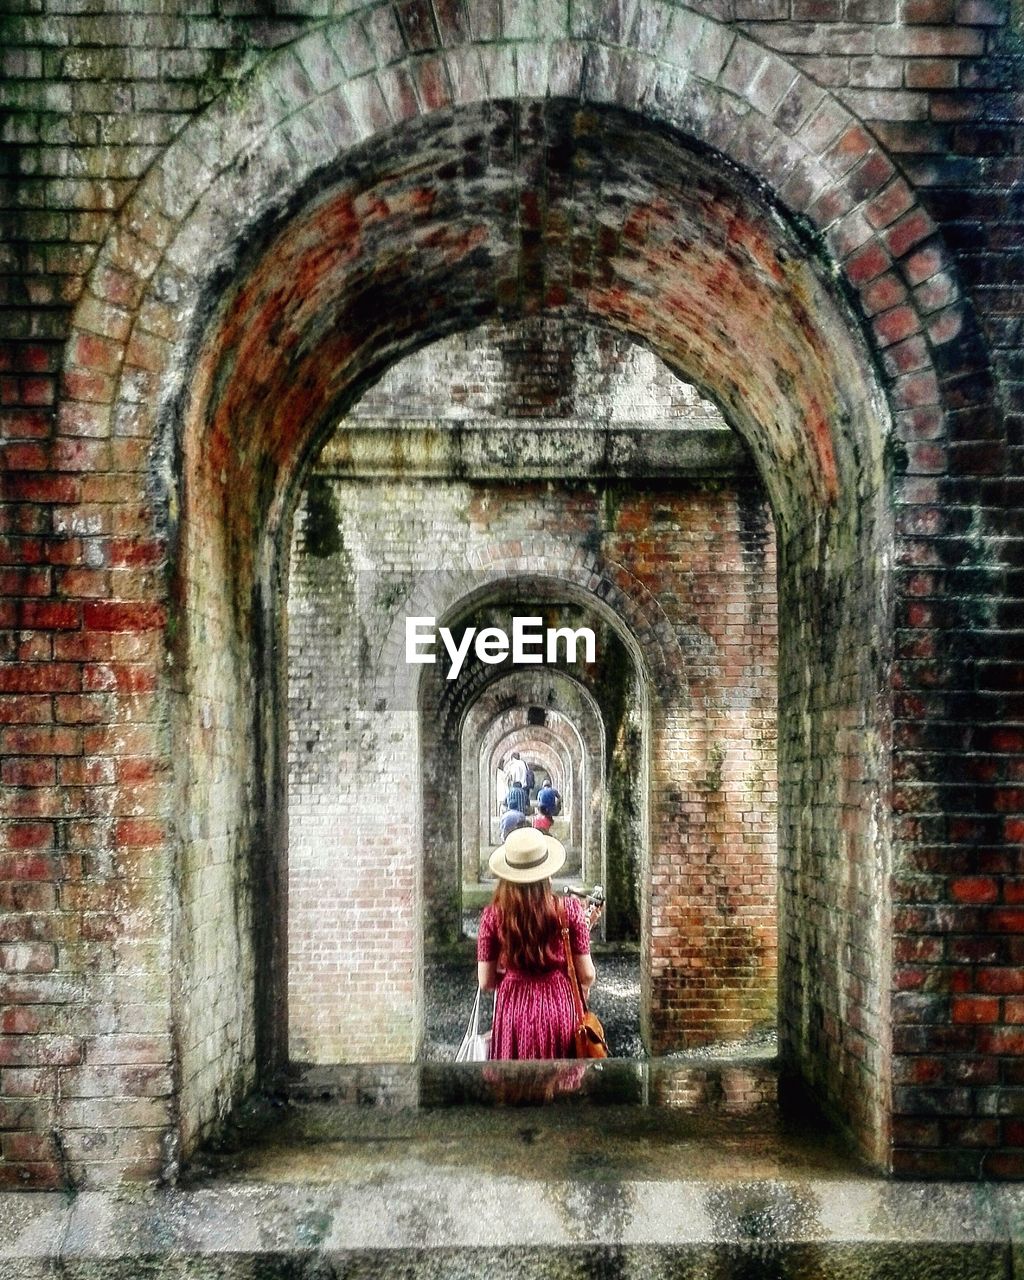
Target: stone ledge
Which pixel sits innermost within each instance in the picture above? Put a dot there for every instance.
(433, 1223)
(514, 450)
(380, 1185)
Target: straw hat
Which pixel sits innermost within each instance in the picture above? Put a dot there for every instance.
(527, 855)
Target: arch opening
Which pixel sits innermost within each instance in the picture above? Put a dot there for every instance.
(554, 755)
(648, 647)
(635, 233)
(484, 716)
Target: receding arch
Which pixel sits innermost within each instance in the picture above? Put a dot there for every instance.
(503, 706)
(454, 712)
(559, 755)
(828, 486)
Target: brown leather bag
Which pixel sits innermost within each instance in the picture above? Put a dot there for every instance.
(588, 1035)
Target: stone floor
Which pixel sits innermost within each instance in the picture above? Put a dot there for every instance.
(680, 1168)
(633, 1171)
(540, 1119)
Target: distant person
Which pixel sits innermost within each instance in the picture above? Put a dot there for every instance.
(512, 821)
(549, 798)
(530, 782)
(516, 771)
(517, 796)
(517, 799)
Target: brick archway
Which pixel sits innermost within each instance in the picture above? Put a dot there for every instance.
(319, 97)
(454, 713)
(807, 404)
(541, 748)
(559, 754)
(132, 369)
(498, 703)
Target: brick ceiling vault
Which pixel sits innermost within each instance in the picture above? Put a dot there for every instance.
(420, 191)
(507, 211)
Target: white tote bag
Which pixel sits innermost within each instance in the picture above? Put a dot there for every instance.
(476, 1045)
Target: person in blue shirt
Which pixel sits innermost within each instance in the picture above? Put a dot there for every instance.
(517, 799)
(549, 799)
(512, 821)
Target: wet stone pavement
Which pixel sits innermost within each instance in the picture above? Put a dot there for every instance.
(678, 1168)
(617, 1170)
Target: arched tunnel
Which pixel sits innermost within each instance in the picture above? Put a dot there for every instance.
(672, 572)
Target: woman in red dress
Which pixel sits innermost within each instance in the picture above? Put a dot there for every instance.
(520, 954)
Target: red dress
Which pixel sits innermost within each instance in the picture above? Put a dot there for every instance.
(533, 1013)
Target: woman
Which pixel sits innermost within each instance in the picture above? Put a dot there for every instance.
(520, 953)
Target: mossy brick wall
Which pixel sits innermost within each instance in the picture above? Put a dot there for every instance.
(538, 371)
(890, 129)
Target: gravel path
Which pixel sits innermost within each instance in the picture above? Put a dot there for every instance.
(451, 987)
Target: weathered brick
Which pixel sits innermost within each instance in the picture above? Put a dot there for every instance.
(895, 200)
(52, 615)
(41, 740)
(25, 957)
(932, 42)
(895, 325)
(39, 678)
(931, 73)
(27, 486)
(975, 1009)
(122, 616)
(938, 89)
(29, 772)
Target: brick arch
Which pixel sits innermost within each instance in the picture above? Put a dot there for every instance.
(586, 726)
(537, 745)
(551, 751)
(505, 574)
(500, 570)
(317, 98)
(229, 179)
(551, 754)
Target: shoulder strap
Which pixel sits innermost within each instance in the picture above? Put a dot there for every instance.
(577, 995)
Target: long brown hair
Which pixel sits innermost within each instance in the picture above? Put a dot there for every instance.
(528, 925)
